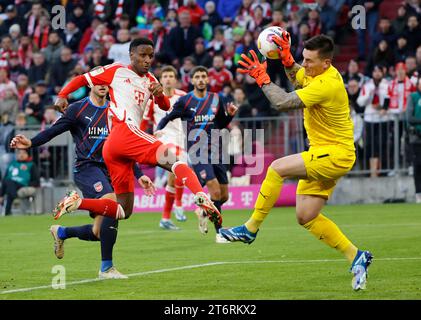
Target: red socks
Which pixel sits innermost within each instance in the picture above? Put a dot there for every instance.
(184, 173)
(179, 189)
(169, 200)
(103, 207)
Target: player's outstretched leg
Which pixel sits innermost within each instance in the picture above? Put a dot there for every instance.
(203, 220)
(268, 194)
(58, 243)
(187, 175)
(104, 207)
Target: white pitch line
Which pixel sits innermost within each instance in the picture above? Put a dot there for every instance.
(194, 266)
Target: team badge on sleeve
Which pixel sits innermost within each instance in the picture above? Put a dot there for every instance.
(98, 186)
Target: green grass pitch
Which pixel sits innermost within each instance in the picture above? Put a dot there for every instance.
(285, 262)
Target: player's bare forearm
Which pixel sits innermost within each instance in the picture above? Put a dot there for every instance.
(291, 73)
(282, 100)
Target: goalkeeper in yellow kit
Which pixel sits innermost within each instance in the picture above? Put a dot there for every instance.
(320, 91)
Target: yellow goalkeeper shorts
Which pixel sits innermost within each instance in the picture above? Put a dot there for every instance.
(324, 166)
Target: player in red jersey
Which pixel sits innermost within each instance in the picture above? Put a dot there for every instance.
(131, 88)
(172, 134)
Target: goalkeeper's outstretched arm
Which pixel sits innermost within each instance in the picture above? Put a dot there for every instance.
(282, 100)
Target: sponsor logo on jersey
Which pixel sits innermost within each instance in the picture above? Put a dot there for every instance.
(98, 186)
(204, 117)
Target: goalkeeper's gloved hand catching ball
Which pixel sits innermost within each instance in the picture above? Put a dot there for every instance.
(284, 45)
(254, 68)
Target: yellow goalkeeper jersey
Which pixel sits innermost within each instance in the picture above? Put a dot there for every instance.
(326, 115)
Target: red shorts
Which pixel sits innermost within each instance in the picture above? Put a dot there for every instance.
(123, 148)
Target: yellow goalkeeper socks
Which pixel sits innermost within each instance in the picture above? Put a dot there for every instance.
(327, 231)
(269, 193)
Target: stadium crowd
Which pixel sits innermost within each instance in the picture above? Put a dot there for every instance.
(37, 58)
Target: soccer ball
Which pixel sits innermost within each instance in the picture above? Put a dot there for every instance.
(266, 45)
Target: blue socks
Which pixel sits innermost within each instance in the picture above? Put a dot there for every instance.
(108, 235)
(81, 232)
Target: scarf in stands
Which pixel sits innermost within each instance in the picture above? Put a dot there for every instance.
(25, 55)
(32, 22)
(394, 93)
(41, 40)
(100, 8)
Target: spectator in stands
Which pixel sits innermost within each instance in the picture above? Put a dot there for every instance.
(12, 19)
(196, 12)
(98, 58)
(6, 83)
(6, 46)
(382, 55)
(411, 69)
(41, 88)
(23, 88)
(401, 50)
(51, 115)
(399, 90)
(303, 36)
(88, 33)
(34, 110)
(373, 97)
(159, 35)
(211, 16)
(78, 14)
(278, 20)
(414, 123)
(240, 100)
(33, 17)
(60, 69)
(188, 64)
(256, 98)
(25, 51)
(313, 21)
(38, 70)
(72, 35)
(41, 32)
(15, 67)
(97, 38)
(328, 17)
(354, 73)
(372, 17)
(201, 56)
(399, 23)
(217, 45)
(15, 35)
(412, 33)
(171, 19)
(53, 50)
(147, 12)
(218, 74)
(353, 90)
(21, 179)
(9, 105)
(122, 24)
(181, 39)
(385, 32)
(119, 52)
(259, 20)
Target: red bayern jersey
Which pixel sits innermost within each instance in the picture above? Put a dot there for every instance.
(217, 79)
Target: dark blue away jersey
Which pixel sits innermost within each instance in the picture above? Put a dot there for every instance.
(200, 115)
(88, 125)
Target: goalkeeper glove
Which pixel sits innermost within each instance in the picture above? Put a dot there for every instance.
(284, 48)
(254, 68)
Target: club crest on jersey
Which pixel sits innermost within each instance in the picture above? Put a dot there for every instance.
(203, 174)
(98, 186)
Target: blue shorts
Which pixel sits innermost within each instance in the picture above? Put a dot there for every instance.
(93, 180)
(207, 172)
